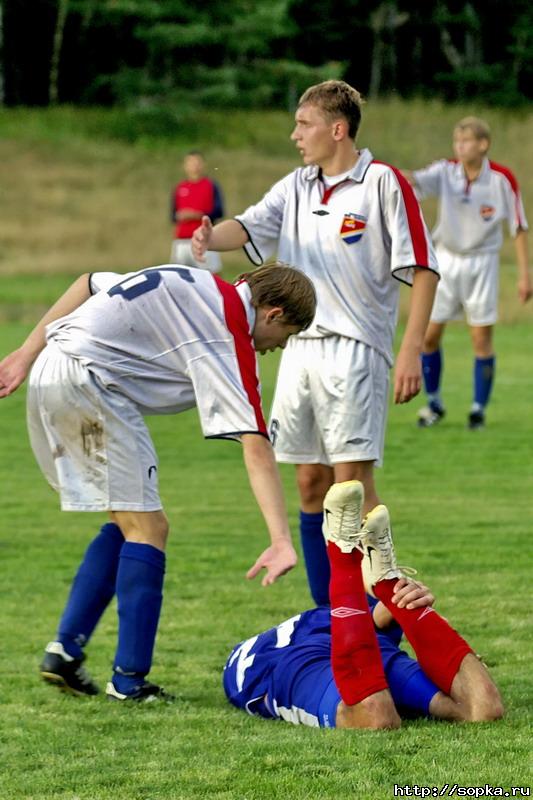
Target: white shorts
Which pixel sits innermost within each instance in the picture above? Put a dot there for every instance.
(330, 404)
(181, 253)
(468, 283)
(91, 443)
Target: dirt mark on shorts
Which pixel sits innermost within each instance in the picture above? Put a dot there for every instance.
(92, 436)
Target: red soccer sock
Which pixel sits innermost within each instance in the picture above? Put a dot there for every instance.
(355, 656)
(438, 647)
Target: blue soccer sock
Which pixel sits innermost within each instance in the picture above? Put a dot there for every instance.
(484, 369)
(315, 556)
(140, 594)
(91, 591)
(431, 372)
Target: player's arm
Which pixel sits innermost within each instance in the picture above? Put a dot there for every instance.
(265, 481)
(525, 288)
(407, 594)
(15, 367)
(227, 235)
(408, 372)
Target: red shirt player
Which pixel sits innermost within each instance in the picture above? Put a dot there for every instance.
(191, 199)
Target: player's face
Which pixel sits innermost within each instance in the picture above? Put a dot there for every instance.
(194, 167)
(468, 149)
(271, 331)
(313, 135)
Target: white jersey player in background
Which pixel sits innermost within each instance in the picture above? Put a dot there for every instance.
(158, 341)
(354, 226)
(475, 197)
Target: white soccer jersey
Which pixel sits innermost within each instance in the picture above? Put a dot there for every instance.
(350, 239)
(471, 212)
(170, 338)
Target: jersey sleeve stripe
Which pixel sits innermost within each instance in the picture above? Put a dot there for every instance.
(520, 221)
(237, 323)
(414, 218)
(250, 244)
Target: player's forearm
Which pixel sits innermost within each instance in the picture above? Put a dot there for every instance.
(228, 235)
(75, 295)
(522, 253)
(382, 616)
(266, 485)
(422, 296)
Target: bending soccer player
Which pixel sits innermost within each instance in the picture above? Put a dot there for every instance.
(158, 341)
(342, 667)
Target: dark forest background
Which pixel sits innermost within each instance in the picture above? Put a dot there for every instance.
(246, 54)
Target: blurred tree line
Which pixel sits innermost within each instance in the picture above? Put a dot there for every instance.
(261, 53)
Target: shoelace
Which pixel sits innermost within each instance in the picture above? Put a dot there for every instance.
(347, 517)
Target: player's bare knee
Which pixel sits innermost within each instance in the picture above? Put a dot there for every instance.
(487, 706)
(476, 696)
(144, 527)
(313, 485)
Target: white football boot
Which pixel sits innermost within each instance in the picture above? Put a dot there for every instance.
(342, 515)
(379, 558)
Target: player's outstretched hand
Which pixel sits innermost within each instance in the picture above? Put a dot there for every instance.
(13, 371)
(277, 559)
(200, 239)
(411, 594)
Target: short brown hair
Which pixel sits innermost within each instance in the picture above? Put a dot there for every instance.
(478, 126)
(336, 98)
(286, 287)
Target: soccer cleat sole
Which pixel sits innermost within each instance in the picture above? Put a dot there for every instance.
(60, 683)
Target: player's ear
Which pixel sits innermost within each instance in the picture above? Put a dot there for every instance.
(340, 129)
(275, 313)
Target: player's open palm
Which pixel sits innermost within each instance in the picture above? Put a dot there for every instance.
(277, 559)
(13, 371)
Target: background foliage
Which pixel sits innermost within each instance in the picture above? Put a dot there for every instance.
(262, 53)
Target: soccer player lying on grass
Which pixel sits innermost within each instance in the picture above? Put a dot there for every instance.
(342, 667)
(158, 341)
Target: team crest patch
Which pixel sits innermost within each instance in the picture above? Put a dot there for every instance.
(487, 212)
(352, 228)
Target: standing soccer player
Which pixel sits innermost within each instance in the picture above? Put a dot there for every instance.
(158, 341)
(475, 197)
(354, 226)
(193, 197)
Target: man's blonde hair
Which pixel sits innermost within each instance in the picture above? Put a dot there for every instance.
(285, 287)
(336, 98)
(478, 126)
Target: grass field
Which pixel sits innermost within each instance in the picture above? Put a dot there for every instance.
(461, 506)
(88, 190)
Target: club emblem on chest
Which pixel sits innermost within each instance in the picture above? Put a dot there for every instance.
(352, 228)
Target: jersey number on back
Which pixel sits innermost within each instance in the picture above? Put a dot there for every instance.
(145, 281)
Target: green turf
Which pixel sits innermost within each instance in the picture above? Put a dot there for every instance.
(461, 507)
